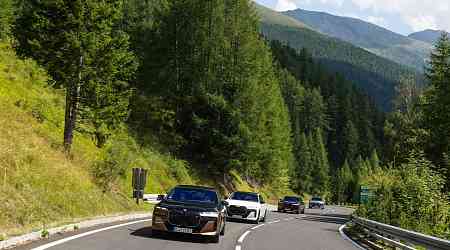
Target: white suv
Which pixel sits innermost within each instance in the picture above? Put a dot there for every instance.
(247, 206)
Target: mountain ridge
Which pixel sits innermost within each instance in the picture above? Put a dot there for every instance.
(376, 39)
(428, 35)
(376, 75)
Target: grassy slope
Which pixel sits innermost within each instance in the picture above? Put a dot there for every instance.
(269, 16)
(39, 186)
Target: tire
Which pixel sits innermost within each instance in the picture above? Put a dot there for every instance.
(298, 211)
(156, 233)
(215, 239)
(303, 211)
(264, 219)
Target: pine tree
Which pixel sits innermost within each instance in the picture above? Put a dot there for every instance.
(320, 169)
(345, 178)
(81, 46)
(350, 139)
(304, 168)
(437, 108)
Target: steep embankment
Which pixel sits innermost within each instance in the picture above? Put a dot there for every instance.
(39, 185)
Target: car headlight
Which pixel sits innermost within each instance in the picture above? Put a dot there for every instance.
(209, 214)
(161, 211)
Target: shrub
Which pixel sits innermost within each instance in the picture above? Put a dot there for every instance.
(410, 197)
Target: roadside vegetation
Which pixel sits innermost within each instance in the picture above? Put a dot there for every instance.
(413, 189)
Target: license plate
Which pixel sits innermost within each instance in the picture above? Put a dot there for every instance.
(182, 230)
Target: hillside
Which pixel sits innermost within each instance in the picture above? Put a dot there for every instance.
(269, 16)
(378, 40)
(428, 36)
(34, 168)
(375, 75)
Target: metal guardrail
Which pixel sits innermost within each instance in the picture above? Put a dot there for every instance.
(397, 236)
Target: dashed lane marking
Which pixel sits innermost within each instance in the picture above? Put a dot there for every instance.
(242, 238)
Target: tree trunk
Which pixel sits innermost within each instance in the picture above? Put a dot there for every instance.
(72, 103)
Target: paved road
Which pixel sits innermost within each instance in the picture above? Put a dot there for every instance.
(316, 230)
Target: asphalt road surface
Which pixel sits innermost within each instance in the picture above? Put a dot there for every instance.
(315, 230)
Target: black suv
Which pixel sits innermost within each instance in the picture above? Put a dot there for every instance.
(291, 204)
(191, 210)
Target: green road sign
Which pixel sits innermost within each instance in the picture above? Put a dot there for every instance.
(365, 194)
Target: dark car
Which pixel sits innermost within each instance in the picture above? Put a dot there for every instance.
(291, 204)
(191, 210)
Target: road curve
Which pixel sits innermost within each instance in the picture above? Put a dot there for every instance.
(316, 230)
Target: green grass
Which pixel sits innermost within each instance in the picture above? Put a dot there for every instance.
(39, 186)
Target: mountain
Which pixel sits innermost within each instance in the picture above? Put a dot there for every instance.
(378, 40)
(375, 75)
(428, 36)
(269, 16)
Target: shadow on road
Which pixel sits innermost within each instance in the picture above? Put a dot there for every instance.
(325, 219)
(146, 232)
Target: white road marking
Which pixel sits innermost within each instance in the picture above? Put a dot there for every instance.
(256, 227)
(341, 231)
(238, 247)
(62, 241)
(242, 238)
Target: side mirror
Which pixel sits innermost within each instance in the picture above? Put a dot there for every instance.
(262, 202)
(225, 203)
(281, 200)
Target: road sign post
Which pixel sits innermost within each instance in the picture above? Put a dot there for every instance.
(139, 181)
(365, 194)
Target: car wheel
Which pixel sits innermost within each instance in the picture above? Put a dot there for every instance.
(264, 218)
(215, 239)
(303, 211)
(298, 211)
(156, 233)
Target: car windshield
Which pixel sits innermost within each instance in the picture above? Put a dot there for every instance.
(317, 199)
(244, 196)
(182, 194)
(291, 199)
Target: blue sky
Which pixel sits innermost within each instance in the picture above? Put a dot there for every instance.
(401, 16)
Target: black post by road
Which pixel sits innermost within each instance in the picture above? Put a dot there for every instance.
(139, 181)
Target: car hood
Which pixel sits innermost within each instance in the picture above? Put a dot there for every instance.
(248, 204)
(195, 206)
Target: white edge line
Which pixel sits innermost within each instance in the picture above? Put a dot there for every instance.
(242, 238)
(341, 231)
(256, 227)
(238, 247)
(59, 242)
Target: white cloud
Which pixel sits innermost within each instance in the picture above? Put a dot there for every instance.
(283, 5)
(419, 23)
(418, 14)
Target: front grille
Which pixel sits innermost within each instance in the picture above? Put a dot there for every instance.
(235, 210)
(184, 218)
